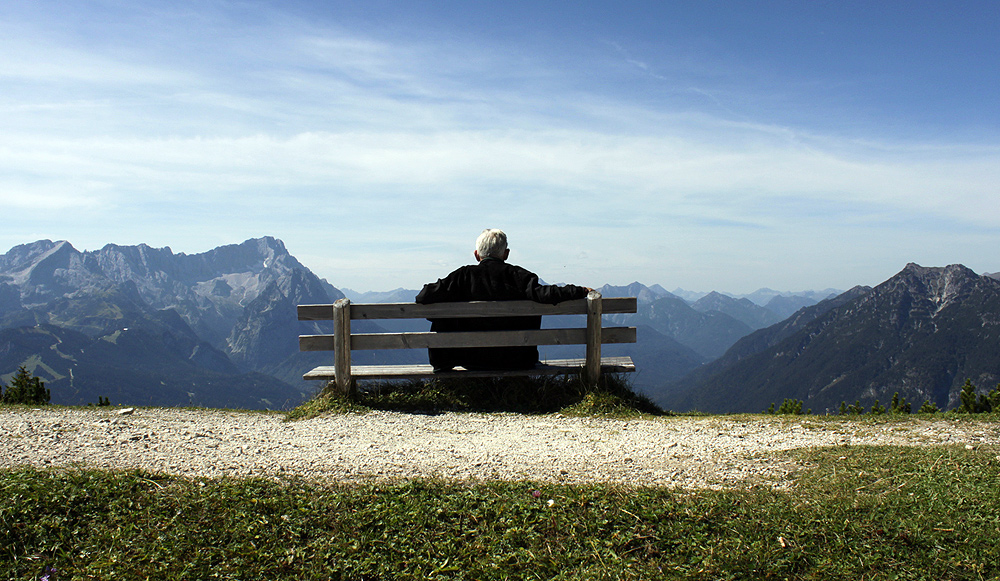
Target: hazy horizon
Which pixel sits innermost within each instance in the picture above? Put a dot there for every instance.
(672, 288)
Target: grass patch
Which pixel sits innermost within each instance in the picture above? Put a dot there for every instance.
(613, 396)
(603, 403)
(326, 401)
(853, 513)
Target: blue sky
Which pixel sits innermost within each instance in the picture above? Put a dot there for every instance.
(705, 145)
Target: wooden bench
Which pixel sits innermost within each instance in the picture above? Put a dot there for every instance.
(342, 342)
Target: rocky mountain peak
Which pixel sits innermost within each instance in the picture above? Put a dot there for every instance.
(209, 290)
(157, 317)
(743, 310)
(643, 294)
(21, 260)
(714, 301)
(123, 263)
(270, 246)
(937, 272)
(940, 286)
(920, 333)
(22, 256)
(59, 257)
(46, 270)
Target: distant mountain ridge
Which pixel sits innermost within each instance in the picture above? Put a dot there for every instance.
(921, 333)
(399, 295)
(219, 328)
(743, 310)
(230, 310)
(692, 333)
(227, 316)
(763, 296)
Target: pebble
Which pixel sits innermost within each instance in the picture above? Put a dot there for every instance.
(716, 451)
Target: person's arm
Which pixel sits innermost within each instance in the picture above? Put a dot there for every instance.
(552, 294)
(427, 294)
(447, 289)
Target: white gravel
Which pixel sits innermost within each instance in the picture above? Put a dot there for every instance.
(671, 451)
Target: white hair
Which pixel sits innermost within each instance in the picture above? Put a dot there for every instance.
(492, 242)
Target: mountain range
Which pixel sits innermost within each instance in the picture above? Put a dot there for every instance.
(144, 325)
(920, 334)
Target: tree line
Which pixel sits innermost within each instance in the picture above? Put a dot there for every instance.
(971, 403)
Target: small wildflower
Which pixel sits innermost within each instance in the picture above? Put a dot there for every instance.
(551, 503)
(50, 574)
(536, 493)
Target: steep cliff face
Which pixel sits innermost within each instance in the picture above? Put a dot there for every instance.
(267, 332)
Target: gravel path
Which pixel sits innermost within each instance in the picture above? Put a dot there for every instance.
(685, 451)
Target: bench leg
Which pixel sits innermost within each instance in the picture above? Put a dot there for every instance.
(342, 346)
(592, 366)
(334, 386)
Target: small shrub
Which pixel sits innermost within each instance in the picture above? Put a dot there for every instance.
(851, 409)
(978, 404)
(899, 405)
(791, 407)
(994, 398)
(968, 397)
(928, 407)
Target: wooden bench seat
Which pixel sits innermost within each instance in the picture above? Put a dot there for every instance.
(342, 341)
(425, 371)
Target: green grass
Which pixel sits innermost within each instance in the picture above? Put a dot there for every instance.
(614, 396)
(851, 513)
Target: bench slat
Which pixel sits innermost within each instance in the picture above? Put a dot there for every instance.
(551, 367)
(468, 339)
(611, 306)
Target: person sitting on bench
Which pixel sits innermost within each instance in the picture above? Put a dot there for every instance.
(492, 278)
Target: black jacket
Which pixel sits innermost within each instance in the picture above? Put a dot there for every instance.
(491, 280)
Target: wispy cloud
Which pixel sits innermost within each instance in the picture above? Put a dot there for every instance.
(287, 126)
(742, 164)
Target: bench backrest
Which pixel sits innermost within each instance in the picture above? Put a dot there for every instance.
(343, 341)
